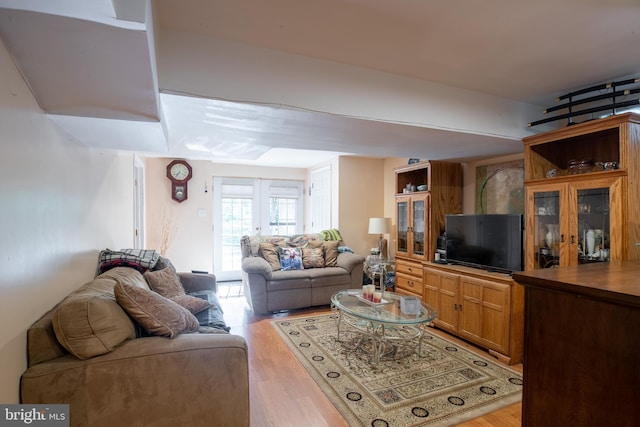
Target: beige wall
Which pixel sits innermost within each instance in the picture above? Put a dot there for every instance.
(191, 235)
(61, 204)
(360, 197)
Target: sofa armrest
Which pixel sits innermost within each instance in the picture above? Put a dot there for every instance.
(257, 265)
(193, 379)
(348, 260)
(193, 282)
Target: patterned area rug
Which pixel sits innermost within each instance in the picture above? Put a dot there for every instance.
(446, 385)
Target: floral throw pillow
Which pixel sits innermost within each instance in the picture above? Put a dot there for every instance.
(290, 258)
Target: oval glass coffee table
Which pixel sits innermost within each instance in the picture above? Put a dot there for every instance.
(396, 318)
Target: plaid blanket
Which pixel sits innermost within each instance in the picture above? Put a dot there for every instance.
(140, 259)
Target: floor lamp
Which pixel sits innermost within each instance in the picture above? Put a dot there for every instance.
(380, 226)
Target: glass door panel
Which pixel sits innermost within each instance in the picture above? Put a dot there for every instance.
(547, 229)
(593, 225)
(403, 226)
(418, 227)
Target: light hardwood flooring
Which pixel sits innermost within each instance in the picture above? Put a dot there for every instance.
(283, 394)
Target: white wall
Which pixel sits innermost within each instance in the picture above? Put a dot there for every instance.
(61, 204)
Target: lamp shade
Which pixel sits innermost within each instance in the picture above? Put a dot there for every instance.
(379, 225)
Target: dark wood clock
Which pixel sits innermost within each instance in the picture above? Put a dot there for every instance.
(179, 172)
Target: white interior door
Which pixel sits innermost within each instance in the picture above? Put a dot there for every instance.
(138, 204)
(245, 206)
(320, 199)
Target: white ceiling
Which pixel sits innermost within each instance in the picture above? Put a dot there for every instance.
(262, 82)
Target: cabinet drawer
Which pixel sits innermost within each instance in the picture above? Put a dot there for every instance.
(409, 283)
(410, 268)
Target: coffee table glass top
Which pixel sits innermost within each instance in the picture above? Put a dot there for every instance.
(350, 301)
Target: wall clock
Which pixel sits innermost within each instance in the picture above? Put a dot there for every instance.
(179, 172)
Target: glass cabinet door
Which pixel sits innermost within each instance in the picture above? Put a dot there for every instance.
(572, 224)
(593, 237)
(418, 207)
(546, 222)
(402, 221)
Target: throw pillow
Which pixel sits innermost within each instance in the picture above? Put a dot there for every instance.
(330, 249)
(191, 303)
(91, 323)
(155, 313)
(269, 252)
(331, 253)
(163, 263)
(312, 257)
(291, 258)
(165, 282)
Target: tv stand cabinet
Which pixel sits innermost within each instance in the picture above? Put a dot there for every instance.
(486, 308)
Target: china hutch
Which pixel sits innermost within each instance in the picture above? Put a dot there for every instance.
(581, 189)
(425, 192)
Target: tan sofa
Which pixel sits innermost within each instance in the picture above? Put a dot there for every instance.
(268, 288)
(194, 379)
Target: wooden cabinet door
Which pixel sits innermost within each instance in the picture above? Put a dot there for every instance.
(419, 214)
(470, 325)
(485, 312)
(441, 292)
(402, 226)
(448, 301)
(560, 215)
(596, 205)
(546, 225)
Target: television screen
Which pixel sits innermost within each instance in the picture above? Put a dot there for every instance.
(489, 241)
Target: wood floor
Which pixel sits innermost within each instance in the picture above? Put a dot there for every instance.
(283, 394)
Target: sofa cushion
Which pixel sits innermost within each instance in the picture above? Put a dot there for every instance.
(269, 252)
(156, 314)
(329, 276)
(330, 249)
(191, 303)
(126, 275)
(290, 258)
(163, 263)
(165, 282)
(312, 257)
(89, 322)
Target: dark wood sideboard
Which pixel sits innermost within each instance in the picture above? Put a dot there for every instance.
(582, 345)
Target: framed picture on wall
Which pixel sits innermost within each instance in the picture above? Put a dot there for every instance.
(500, 188)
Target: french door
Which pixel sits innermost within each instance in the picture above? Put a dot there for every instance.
(244, 206)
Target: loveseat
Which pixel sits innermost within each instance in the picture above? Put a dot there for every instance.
(90, 353)
(297, 271)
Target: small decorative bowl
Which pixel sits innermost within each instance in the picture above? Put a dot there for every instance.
(422, 187)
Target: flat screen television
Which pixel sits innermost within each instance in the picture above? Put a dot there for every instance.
(489, 241)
